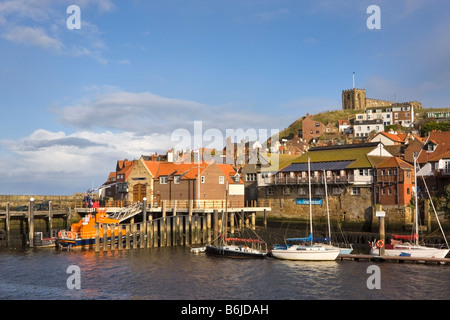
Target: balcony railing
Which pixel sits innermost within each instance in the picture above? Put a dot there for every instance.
(286, 180)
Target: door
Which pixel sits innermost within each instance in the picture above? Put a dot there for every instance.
(139, 192)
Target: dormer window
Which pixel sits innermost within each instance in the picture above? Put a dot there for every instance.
(431, 147)
(236, 178)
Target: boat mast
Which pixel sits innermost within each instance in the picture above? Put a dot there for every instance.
(416, 200)
(310, 201)
(328, 210)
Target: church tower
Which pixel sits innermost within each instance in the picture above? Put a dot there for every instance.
(354, 99)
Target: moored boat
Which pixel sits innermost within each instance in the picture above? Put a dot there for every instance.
(237, 251)
(82, 234)
(400, 245)
(311, 252)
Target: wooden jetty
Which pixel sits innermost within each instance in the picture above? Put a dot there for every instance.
(173, 223)
(29, 215)
(399, 259)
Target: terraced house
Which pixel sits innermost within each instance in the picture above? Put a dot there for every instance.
(165, 180)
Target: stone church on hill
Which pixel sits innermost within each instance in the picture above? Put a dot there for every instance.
(355, 99)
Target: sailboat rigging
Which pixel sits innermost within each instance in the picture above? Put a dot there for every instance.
(227, 246)
(311, 252)
(398, 247)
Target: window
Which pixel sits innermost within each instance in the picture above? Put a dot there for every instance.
(286, 190)
(356, 191)
(236, 178)
(163, 180)
(301, 191)
(203, 179)
(319, 191)
(270, 191)
(176, 179)
(221, 180)
(336, 190)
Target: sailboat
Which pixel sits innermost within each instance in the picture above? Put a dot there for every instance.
(400, 245)
(227, 247)
(342, 250)
(311, 252)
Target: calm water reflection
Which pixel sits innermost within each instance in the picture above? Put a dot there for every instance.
(176, 273)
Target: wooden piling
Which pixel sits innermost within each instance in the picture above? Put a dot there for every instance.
(204, 230)
(31, 222)
(97, 238)
(119, 237)
(216, 225)
(163, 229)
(8, 224)
(253, 221)
(113, 237)
(105, 237)
(144, 224)
(150, 231)
(232, 222)
(189, 223)
(208, 227)
(174, 224)
(195, 228)
(50, 217)
(134, 228)
(127, 237)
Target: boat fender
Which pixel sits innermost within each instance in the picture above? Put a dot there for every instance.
(380, 243)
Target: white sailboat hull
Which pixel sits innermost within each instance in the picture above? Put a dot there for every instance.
(306, 253)
(413, 251)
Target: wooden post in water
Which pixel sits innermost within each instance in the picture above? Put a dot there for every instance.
(105, 237)
(208, 226)
(241, 220)
(163, 229)
(8, 225)
(232, 223)
(265, 219)
(174, 223)
(150, 223)
(204, 229)
(134, 228)
(381, 214)
(253, 220)
(189, 227)
(119, 237)
(50, 217)
(113, 237)
(215, 225)
(144, 224)
(31, 222)
(97, 238)
(127, 236)
(194, 229)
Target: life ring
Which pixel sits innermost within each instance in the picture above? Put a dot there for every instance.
(380, 243)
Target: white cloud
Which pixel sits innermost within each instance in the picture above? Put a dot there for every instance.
(42, 24)
(147, 113)
(34, 37)
(75, 159)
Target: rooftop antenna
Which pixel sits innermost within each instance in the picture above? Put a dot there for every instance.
(353, 80)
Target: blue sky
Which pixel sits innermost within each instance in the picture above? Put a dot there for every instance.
(72, 102)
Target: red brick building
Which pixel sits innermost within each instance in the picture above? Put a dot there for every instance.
(311, 129)
(394, 182)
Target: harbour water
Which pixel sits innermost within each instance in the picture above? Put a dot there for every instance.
(174, 273)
